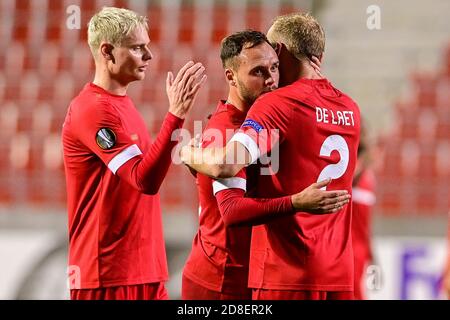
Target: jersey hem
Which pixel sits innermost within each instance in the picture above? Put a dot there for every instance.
(116, 283)
(201, 282)
(300, 287)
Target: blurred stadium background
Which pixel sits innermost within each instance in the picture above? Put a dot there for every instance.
(399, 74)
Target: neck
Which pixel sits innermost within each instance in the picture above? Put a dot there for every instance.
(293, 70)
(234, 99)
(104, 80)
(307, 72)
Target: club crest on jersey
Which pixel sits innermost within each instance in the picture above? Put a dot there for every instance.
(105, 138)
(252, 124)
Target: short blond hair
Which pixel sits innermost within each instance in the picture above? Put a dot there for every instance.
(113, 25)
(301, 34)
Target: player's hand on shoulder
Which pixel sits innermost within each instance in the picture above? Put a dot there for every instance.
(183, 89)
(317, 201)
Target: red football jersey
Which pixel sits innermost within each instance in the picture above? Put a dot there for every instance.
(363, 199)
(220, 256)
(115, 231)
(318, 135)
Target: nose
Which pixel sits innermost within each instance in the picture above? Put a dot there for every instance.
(270, 81)
(148, 55)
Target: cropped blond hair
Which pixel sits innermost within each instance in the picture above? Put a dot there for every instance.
(300, 33)
(113, 25)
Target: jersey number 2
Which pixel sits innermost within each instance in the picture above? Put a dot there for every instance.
(335, 170)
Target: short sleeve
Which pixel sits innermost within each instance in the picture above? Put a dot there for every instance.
(100, 129)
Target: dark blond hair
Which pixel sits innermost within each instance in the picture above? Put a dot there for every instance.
(300, 33)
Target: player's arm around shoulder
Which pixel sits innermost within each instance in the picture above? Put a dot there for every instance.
(316, 200)
(240, 151)
(216, 162)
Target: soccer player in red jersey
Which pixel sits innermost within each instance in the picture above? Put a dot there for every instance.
(316, 128)
(114, 170)
(217, 267)
(363, 199)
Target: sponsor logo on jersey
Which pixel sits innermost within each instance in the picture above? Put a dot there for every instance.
(252, 124)
(105, 138)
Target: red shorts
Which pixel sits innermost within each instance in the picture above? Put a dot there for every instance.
(190, 290)
(264, 294)
(147, 291)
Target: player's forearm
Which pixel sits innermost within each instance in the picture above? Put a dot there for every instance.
(216, 171)
(217, 163)
(202, 160)
(209, 161)
(147, 173)
(238, 210)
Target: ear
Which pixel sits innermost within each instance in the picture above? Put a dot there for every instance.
(229, 75)
(278, 47)
(320, 57)
(106, 51)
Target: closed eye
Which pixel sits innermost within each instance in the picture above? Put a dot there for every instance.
(258, 73)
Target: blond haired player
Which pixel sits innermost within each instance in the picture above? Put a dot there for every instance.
(113, 168)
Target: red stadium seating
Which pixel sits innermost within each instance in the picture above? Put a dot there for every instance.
(42, 118)
(9, 119)
(14, 59)
(423, 138)
(155, 22)
(22, 14)
(43, 64)
(220, 17)
(49, 60)
(254, 16)
(187, 17)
